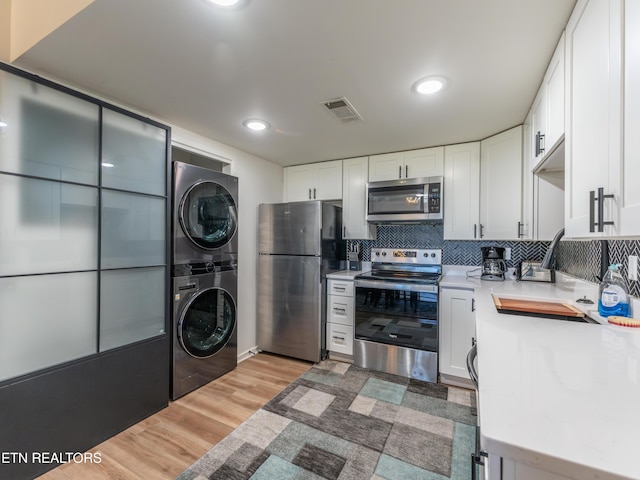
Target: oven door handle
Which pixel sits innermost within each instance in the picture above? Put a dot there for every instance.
(383, 285)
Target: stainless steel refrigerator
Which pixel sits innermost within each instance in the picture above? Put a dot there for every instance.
(299, 243)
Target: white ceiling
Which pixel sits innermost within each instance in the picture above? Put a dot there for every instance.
(206, 69)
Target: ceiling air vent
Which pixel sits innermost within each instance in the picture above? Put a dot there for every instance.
(341, 109)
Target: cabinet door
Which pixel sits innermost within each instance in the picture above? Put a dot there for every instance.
(461, 191)
(630, 204)
(426, 162)
(538, 127)
(593, 115)
(327, 182)
(388, 166)
(549, 205)
(501, 185)
(298, 183)
(457, 330)
(553, 85)
(526, 232)
(355, 172)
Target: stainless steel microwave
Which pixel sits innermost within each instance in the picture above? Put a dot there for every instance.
(413, 200)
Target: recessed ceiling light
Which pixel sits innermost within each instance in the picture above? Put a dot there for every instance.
(225, 3)
(430, 85)
(107, 164)
(3, 124)
(255, 124)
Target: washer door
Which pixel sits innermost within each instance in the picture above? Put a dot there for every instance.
(206, 325)
(208, 215)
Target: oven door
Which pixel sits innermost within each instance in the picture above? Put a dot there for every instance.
(396, 313)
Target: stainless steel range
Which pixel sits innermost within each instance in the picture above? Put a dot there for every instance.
(396, 313)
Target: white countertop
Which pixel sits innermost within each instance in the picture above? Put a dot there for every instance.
(349, 274)
(558, 395)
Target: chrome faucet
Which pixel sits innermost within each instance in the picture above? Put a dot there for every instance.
(548, 260)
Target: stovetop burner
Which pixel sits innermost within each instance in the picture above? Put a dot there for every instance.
(406, 265)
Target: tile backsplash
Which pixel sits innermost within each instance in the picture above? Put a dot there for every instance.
(577, 258)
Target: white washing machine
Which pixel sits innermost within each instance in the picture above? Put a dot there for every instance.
(205, 215)
(204, 326)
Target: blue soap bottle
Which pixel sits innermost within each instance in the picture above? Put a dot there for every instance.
(614, 295)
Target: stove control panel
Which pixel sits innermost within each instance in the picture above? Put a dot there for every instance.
(407, 255)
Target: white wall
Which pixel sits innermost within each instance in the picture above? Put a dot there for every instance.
(259, 181)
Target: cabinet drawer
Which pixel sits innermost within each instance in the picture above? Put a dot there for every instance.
(340, 310)
(340, 338)
(340, 287)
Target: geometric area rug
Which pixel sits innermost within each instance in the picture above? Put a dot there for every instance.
(338, 421)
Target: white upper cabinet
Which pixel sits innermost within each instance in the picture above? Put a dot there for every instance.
(501, 186)
(313, 181)
(547, 111)
(426, 162)
(553, 84)
(630, 199)
(355, 172)
(593, 145)
(462, 191)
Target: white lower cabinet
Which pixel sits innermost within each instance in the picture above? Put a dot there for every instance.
(512, 470)
(457, 332)
(340, 315)
(340, 338)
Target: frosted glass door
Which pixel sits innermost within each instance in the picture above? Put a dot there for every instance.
(46, 226)
(47, 133)
(132, 306)
(133, 230)
(46, 320)
(134, 154)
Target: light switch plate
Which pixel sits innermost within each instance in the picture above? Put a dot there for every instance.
(507, 253)
(633, 267)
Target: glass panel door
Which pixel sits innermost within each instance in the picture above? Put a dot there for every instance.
(397, 317)
(403, 199)
(208, 215)
(207, 323)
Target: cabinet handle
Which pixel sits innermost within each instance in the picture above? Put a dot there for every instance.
(344, 232)
(406, 171)
(481, 234)
(475, 230)
(338, 310)
(600, 200)
(400, 171)
(309, 194)
(473, 304)
(539, 144)
(314, 193)
(340, 289)
(520, 225)
(335, 337)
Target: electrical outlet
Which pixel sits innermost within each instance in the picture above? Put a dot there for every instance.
(507, 253)
(633, 267)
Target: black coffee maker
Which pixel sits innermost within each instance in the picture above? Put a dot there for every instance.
(493, 264)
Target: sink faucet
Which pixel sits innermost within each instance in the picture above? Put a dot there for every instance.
(548, 260)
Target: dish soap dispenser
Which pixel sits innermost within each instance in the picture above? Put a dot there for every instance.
(614, 296)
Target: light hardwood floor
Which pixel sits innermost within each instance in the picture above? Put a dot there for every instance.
(163, 445)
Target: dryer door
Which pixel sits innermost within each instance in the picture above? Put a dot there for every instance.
(208, 215)
(206, 325)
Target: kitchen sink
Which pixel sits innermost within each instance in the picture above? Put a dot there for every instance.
(551, 308)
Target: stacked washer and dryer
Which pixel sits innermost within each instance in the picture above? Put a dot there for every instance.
(204, 271)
